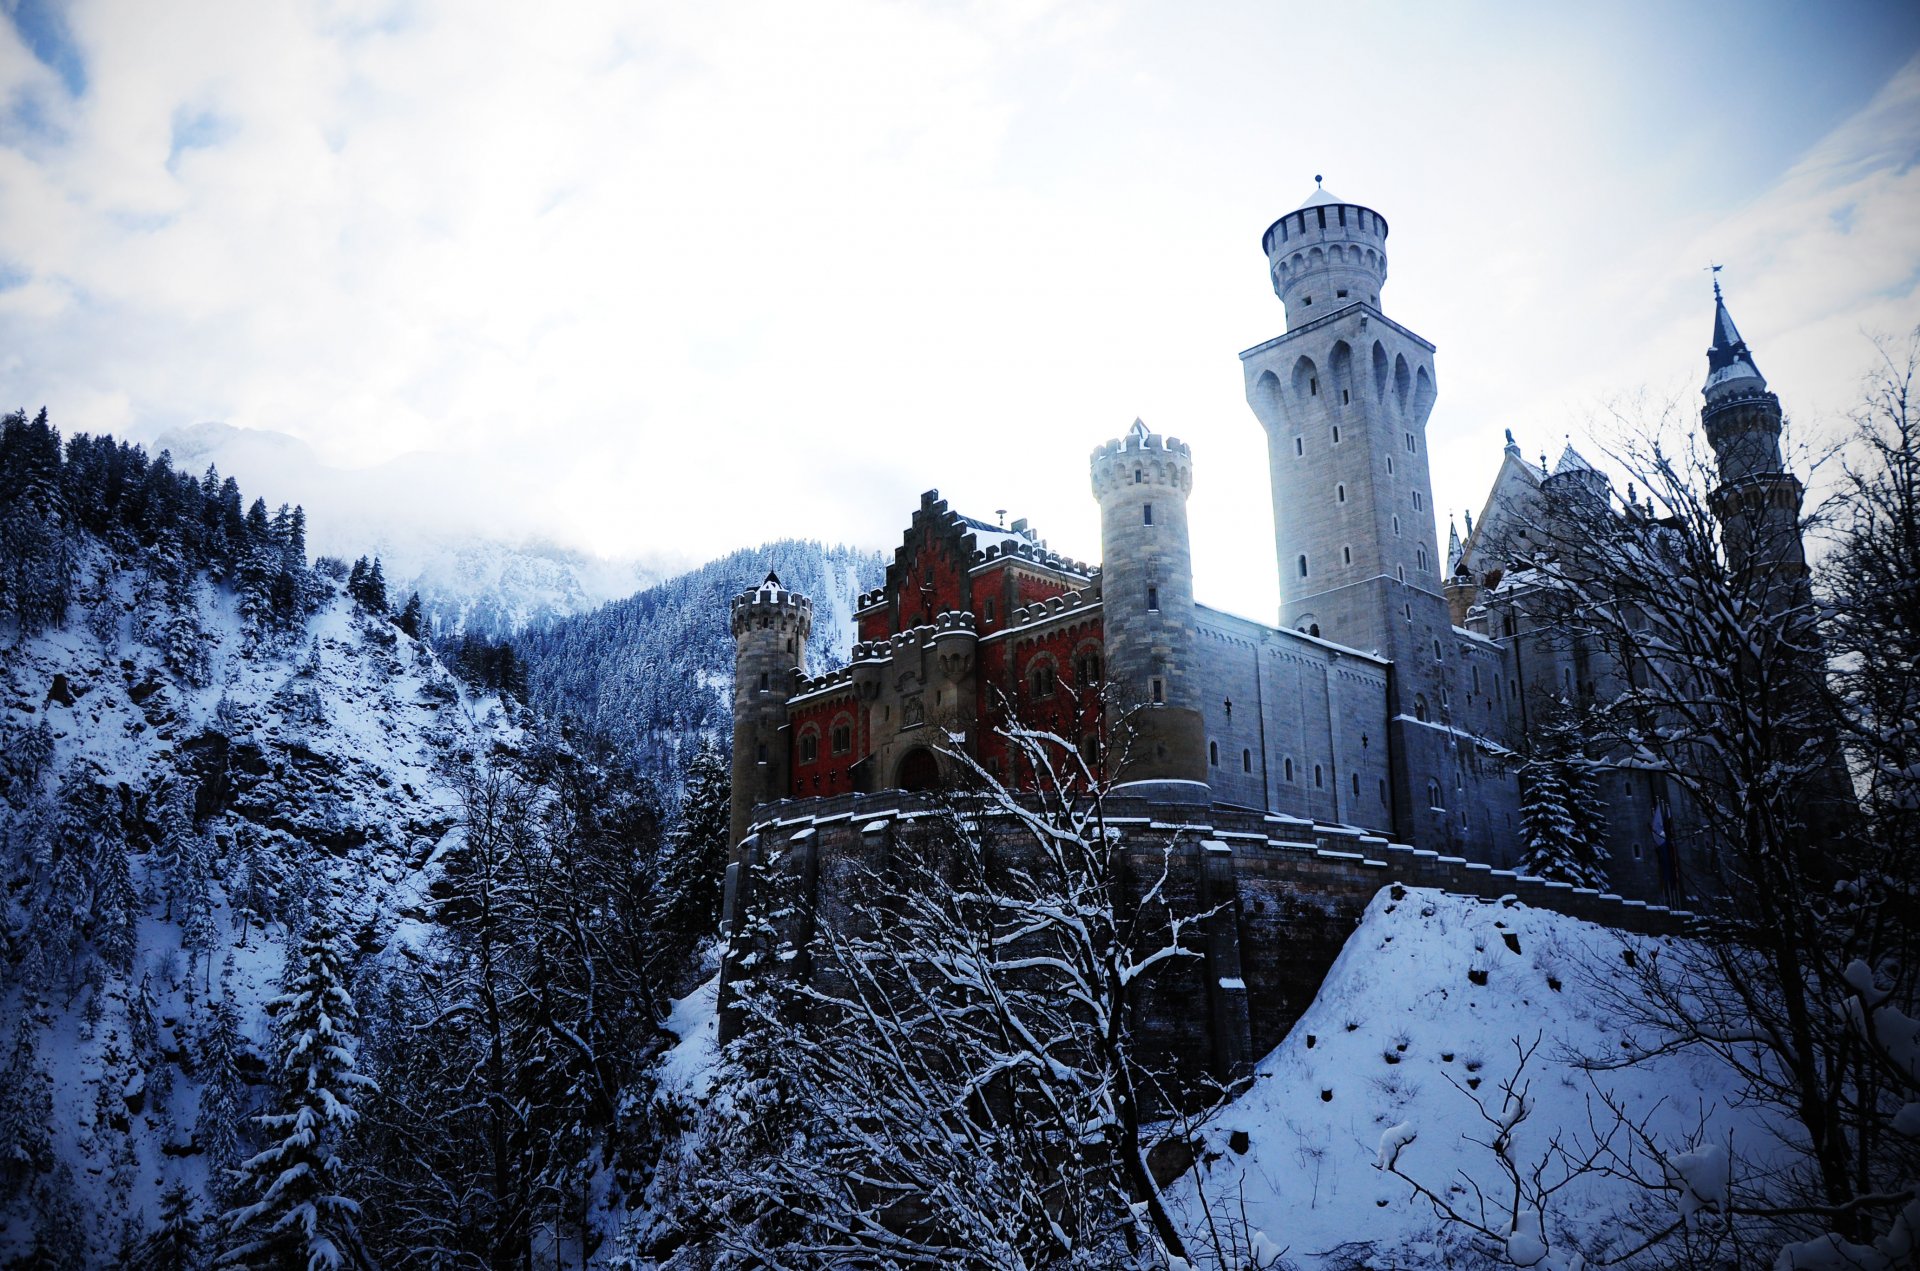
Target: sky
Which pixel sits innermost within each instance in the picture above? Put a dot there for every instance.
(663, 280)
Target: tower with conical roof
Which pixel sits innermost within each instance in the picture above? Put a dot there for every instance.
(1758, 500)
(1344, 395)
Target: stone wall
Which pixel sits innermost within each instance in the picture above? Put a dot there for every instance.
(1283, 894)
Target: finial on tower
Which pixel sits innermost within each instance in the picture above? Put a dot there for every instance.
(1715, 271)
(1317, 179)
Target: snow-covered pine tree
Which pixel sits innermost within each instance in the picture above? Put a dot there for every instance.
(175, 1246)
(411, 619)
(295, 1209)
(222, 1090)
(116, 906)
(1560, 825)
(26, 1104)
(695, 864)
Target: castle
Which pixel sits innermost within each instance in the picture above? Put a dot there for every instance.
(1399, 689)
(1265, 781)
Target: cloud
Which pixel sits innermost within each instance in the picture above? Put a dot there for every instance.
(682, 277)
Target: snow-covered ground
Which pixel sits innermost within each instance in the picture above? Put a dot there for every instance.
(1404, 1045)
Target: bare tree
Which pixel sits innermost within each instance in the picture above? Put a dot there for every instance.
(1718, 643)
(950, 1079)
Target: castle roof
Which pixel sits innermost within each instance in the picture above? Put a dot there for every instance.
(1321, 197)
(1572, 460)
(1730, 365)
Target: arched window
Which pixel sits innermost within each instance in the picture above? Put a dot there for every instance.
(1433, 795)
(1419, 556)
(1041, 677)
(1356, 784)
(809, 744)
(1213, 753)
(1313, 629)
(1420, 707)
(1289, 769)
(1303, 564)
(1319, 777)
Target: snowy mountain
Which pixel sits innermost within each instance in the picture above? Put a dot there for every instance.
(231, 800)
(654, 672)
(477, 570)
(213, 755)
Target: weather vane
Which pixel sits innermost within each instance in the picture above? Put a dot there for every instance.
(1715, 271)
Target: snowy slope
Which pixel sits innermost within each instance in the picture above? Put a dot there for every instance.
(1399, 1021)
(654, 673)
(319, 753)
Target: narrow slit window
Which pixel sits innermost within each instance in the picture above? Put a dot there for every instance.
(1147, 509)
(1299, 446)
(1153, 599)
(1303, 565)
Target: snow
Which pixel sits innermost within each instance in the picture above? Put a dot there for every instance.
(1384, 1068)
(687, 1069)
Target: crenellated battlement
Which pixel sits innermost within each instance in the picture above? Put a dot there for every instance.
(768, 608)
(1052, 607)
(1141, 461)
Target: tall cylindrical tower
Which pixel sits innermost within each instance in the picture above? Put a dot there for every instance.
(770, 628)
(1155, 727)
(1326, 254)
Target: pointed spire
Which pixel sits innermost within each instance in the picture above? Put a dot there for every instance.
(772, 581)
(1138, 430)
(1453, 542)
(1729, 362)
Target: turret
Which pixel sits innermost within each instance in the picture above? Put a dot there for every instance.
(1155, 726)
(1326, 254)
(770, 629)
(1758, 500)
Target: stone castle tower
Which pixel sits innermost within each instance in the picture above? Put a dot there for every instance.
(1142, 482)
(1344, 396)
(1758, 500)
(770, 628)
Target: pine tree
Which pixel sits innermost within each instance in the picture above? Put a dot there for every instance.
(116, 907)
(1562, 832)
(376, 598)
(222, 1090)
(26, 1108)
(694, 871)
(297, 1211)
(357, 581)
(411, 618)
(176, 1245)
